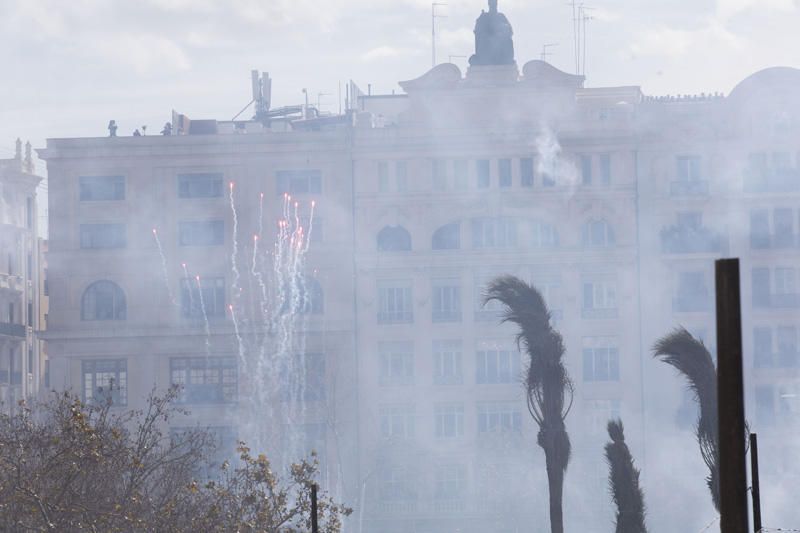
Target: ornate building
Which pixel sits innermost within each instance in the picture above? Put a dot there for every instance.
(612, 202)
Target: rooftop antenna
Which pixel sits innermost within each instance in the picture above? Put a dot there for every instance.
(545, 51)
(575, 35)
(583, 18)
(434, 16)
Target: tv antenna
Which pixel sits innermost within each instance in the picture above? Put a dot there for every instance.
(583, 19)
(434, 16)
(546, 52)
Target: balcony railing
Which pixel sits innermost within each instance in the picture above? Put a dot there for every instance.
(689, 188)
(12, 330)
(772, 180)
(764, 241)
(692, 240)
(395, 317)
(599, 313)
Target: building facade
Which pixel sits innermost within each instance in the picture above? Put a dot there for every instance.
(22, 357)
(614, 204)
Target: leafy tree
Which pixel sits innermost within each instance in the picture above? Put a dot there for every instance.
(548, 387)
(624, 482)
(70, 466)
(691, 358)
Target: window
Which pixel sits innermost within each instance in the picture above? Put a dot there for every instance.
(449, 420)
(29, 212)
(783, 219)
(439, 173)
(103, 300)
(598, 234)
(496, 364)
(762, 347)
(383, 176)
(492, 309)
(401, 176)
(200, 185)
(605, 169)
(693, 294)
(95, 236)
(299, 182)
(762, 296)
(396, 363)
(205, 379)
(447, 237)
(394, 239)
(447, 362)
(688, 168)
(460, 175)
(785, 280)
(201, 233)
(494, 232)
(203, 298)
(497, 417)
(303, 378)
(599, 412)
(105, 380)
(397, 421)
(543, 235)
(526, 171)
(504, 172)
(483, 171)
(450, 481)
(446, 300)
(586, 169)
(759, 229)
(786, 337)
(765, 404)
(99, 188)
(549, 169)
(312, 297)
(394, 303)
(396, 483)
(600, 359)
(599, 299)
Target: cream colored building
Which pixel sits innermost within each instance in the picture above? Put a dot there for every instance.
(22, 360)
(613, 203)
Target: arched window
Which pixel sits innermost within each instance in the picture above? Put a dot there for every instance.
(394, 239)
(598, 233)
(543, 235)
(103, 300)
(447, 237)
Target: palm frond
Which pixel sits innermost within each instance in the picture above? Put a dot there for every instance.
(624, 482)
(692, 359)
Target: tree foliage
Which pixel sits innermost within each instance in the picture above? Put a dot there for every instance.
(624, 482)
(70, 466)
(691, 358)
(547, 385)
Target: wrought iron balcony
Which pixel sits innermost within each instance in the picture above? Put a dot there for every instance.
(692, 240)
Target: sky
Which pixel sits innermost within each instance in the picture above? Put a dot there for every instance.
(68, 66)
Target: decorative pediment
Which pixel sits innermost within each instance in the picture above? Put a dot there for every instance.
(543, 74)
(444, 76)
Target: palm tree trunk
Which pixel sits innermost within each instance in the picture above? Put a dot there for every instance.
(555, 484)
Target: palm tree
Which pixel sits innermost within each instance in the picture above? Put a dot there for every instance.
(624, 480)
(547, 384)
(692, 359)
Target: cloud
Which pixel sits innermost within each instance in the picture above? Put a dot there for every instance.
(729, 8)
(383, 52)
(144, 53)
(672, 43)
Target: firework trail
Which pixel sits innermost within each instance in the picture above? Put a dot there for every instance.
(164, 267)
(205, 316)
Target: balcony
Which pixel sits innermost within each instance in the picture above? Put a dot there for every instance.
(599, 313)
(772, 180)
(689, 188)
(439, 315)
(778, 241)
(395, 317)
(692, 240)
(11, 283)
(691, 303)
(783, 300)
(12, 330)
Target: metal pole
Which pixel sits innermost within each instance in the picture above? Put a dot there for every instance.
(756, 490)
(314, 518)
(730, 400)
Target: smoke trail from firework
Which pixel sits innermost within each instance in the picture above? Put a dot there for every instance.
(205, 315)
(188, 286)
(242, 357)
(164, 267)
(235, 283)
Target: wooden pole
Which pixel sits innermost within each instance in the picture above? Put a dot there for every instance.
(314, 518)
(756, 489)
(730, 400)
